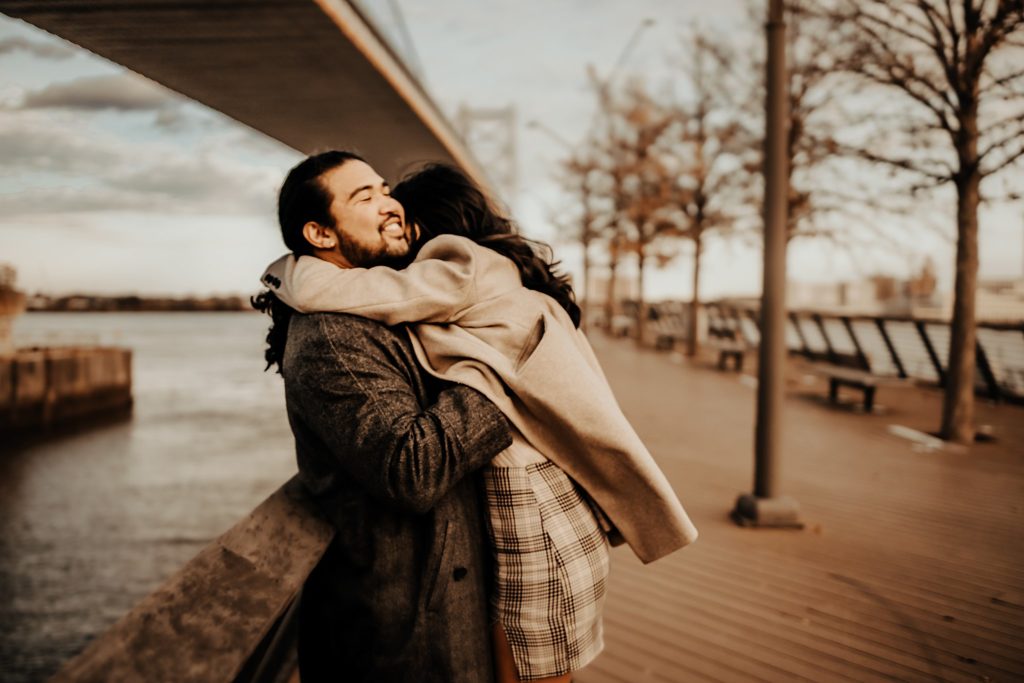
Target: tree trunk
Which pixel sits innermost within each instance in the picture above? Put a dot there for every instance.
(691, 324)
(958, 402)
(641, 313)
(609, 302)
(584, 300)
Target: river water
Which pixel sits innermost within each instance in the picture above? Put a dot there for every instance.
(92, 522)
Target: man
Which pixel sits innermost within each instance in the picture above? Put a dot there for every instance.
(385, 450)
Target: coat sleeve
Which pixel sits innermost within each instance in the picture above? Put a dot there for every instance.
(362, 405)
(436, 287)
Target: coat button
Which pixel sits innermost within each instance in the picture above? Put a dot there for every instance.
(460, 573)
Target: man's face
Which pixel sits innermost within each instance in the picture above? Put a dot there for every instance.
(369, 223)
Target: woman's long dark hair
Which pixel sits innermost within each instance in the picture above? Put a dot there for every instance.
(442, 200)
(280, 316)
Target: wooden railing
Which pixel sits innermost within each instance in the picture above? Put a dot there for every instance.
(228, 615)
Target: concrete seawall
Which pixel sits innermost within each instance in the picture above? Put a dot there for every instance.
(44, 388)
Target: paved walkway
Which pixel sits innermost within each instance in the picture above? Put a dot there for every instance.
(910, 568)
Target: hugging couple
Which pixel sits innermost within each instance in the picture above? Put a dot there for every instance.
(452, 422)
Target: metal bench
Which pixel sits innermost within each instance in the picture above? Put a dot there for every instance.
(728, 349)
(853, 378)
(622, 325)
(667, 330)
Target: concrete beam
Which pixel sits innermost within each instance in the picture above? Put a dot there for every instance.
(313, 74)
(206, 622)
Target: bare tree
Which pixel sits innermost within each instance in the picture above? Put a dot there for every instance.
(960, 64)
(578, 178)
(646, 133)
(710, 155)
(825, 202)
(634, 194)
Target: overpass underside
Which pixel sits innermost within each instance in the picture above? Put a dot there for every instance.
(313, 74)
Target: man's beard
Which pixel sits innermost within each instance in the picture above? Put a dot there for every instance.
(366, 256)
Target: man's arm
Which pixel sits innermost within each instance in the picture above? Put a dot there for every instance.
(361, 404)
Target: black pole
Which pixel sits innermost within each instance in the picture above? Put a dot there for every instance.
(765, 508)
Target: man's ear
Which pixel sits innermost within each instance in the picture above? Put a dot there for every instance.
(320, 236)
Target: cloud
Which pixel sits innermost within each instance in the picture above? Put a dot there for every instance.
(43, 50)
(45, 146)
(120, 92)
(178, 187)
(55, 201)
(62, 171)
(201, 184)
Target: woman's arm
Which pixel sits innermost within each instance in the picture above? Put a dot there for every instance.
(434, 288)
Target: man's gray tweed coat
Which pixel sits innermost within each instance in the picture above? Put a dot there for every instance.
(385, 450)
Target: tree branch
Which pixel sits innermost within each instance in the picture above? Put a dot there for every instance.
(1008, 18)
(1016, 134)
(1009, 160)
(890, 79)
(918, 166)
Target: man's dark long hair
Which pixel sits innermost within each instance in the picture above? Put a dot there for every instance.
(303, 198)
(441, 199)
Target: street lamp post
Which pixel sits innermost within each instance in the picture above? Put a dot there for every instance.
(765, 507)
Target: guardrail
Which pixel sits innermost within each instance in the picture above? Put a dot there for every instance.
(896, 346)
(228, 615)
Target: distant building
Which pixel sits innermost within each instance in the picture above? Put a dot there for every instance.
(997, 300)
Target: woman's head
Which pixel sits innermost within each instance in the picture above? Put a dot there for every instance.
(442, 200)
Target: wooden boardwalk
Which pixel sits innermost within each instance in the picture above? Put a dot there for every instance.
(910, 568)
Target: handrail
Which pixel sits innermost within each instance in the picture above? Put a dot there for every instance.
(215, 619)
(999, 345)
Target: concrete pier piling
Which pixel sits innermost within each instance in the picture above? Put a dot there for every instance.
(45, 388)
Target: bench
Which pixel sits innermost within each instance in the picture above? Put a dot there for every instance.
(622, 326)
(667, 330)
(728, 348)
(854, 378)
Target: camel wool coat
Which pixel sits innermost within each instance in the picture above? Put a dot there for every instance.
(474, 323)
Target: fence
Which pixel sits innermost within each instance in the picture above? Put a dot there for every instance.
(887, 345)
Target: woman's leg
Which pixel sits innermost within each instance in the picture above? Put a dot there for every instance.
(505, 665)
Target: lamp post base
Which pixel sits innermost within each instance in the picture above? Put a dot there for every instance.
(772, 513)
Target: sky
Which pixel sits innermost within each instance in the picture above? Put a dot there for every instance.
(111, 184)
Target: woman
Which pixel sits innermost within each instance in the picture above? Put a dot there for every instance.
(488, 311)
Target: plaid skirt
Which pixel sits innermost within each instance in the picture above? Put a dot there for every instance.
(551, 565)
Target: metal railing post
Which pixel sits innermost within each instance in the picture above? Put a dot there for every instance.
(880, 324)
(930, 348)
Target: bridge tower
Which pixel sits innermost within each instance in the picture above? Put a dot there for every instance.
(490, 132)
